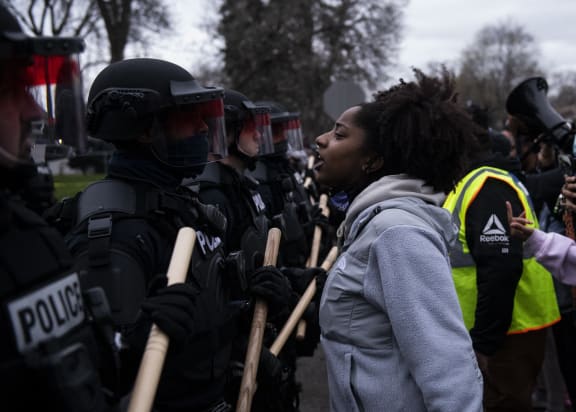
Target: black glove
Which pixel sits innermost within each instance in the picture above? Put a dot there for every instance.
(300, 278)
(308, 345)
(172, 309)
(271, 285)
(318, 219)
(320, 282)
(269, 367)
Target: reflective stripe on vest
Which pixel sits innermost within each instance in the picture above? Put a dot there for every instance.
(535, 305)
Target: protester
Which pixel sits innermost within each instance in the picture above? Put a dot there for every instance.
(392, 329)
(541, 136)
(507, 299)
(555, 252)
(55, 339)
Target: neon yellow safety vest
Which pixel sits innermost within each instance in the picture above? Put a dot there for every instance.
(535, 305)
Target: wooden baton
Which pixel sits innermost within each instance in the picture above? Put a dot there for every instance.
(248, 384)
(301, 306)
(152, 362)
(313, 258)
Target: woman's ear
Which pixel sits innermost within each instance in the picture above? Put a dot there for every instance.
(373, 164)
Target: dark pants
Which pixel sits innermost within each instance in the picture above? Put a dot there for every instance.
(510, 374)
(565, 338)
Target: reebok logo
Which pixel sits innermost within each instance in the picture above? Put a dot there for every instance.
(493, 226)
(494, 231)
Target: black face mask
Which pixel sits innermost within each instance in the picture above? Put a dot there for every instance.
(186, 157)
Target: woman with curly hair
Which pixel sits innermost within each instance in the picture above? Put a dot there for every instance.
(392, 328)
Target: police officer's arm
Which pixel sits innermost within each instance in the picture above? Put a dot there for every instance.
(498, 259)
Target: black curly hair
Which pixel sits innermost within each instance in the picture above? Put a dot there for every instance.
(419, 129)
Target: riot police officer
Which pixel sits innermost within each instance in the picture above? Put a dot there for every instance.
(282, 188)
(50, 327)
(224, 184)
(236, 193)
(122, 229)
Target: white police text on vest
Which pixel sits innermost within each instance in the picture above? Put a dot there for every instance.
(47, 313)
(207, 243)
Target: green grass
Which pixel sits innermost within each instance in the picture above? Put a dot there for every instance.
(69, 185)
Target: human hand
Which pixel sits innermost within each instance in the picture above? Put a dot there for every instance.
(172, 309)
(569, 193)
(300, 278)
(269, 284)
(518, 225)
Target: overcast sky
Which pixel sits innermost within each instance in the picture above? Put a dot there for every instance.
(434, 30)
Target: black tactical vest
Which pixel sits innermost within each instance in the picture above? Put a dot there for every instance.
(110, 209)
(48, 349)
(245, 210)
(289, 209)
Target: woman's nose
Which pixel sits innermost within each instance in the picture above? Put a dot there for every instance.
(321, 140)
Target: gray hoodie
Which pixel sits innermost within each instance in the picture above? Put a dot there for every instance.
(392, 327)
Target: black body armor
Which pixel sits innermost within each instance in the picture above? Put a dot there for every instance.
(236, 196)
(123, 237)
(287, 206)
(49, 355)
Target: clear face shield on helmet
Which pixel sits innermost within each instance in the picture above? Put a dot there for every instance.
(193, 131)
(294, 133)
(280, 132)
(43, 76)
(56, 86)
(257, 129)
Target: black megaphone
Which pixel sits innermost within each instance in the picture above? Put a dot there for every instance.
(529, 103)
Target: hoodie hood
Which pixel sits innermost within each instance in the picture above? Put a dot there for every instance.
(398, 192)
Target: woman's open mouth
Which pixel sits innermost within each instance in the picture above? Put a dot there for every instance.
(318, 163)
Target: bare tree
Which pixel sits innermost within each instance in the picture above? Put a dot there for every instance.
(563, 93)
(131, 21)
(119, 22)
(291, 51)
(501, 56)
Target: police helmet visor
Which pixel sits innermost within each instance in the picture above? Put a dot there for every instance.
(187, 136)
(294, 133)
(258, 124)
(209, 105)
(261, 122)
(212, 114)
(55, 83)
(279, 132)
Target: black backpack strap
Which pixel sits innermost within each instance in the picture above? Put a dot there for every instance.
(96, 206)
(99, 231)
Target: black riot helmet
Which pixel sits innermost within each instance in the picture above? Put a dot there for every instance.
(135, 100)
(45, 73)
(249, 120)
(286, 128)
